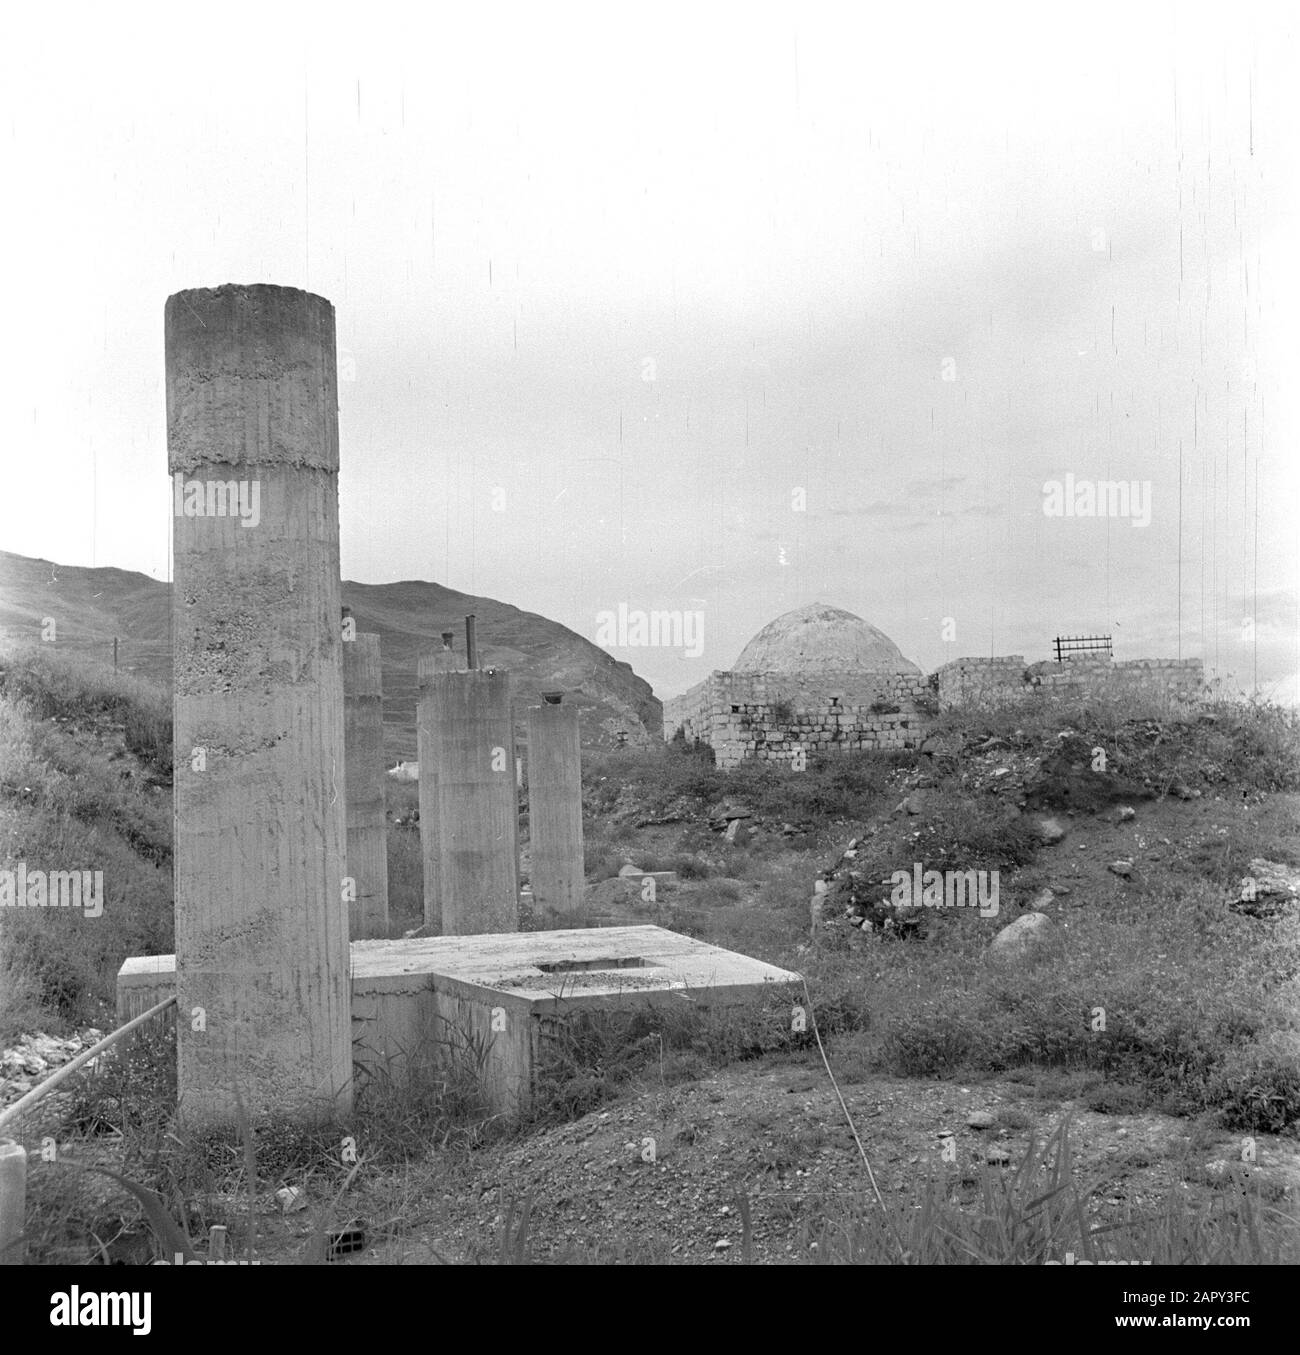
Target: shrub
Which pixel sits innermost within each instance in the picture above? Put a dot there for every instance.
(599, 862)
(928, 1043)
(20, 995)
(405, 874)
(1257, 1090)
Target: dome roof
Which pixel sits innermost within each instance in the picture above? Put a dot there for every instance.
(821, 639)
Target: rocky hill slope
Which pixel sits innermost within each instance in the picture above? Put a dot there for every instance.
(90, 607)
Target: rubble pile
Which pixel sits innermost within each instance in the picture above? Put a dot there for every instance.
(29, 1062)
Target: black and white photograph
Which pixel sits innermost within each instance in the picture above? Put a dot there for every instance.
(650, 635)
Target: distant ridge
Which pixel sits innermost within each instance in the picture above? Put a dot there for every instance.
(92, 606)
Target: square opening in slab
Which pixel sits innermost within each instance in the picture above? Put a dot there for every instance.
(577, 966)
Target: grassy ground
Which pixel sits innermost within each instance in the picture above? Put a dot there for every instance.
(85, 784)
(1154, 1013)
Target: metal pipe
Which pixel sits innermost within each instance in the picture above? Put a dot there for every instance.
(36, 1093)
(471, 642)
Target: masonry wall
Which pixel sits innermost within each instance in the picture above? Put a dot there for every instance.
(689, 712)
(769, 716)
(1179, 680)
(967, 680)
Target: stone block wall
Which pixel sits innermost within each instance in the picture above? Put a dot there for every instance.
(771, 716)
(965, 680)
(1178, 680)
(689, 712)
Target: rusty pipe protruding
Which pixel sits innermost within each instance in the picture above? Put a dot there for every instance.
(552, 698)
(471, 643)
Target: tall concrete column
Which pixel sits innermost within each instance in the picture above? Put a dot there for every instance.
(363, 741)
(441, 661)
(555, 808)
(478, 807)
(262, 964)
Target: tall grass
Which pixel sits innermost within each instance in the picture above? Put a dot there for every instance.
(76, 800)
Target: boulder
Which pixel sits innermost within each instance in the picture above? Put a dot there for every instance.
(1049, 831)
(1023, 936)
(728, 810)
(1270, 889)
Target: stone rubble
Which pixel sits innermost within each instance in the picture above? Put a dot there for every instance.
(29, 1062)
(1270, 890)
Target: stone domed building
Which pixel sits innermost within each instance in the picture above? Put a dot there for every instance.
(817, 679)
(821, 639)
(821, 680)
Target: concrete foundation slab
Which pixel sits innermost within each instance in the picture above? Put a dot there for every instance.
(499, 996)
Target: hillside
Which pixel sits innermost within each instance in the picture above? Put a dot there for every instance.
(92, 606)
(1182, 1105)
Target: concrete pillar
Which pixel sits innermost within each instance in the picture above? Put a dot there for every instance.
(441, 661)
(555, 809)
(262, 964)
(478, 808)
(363, 741)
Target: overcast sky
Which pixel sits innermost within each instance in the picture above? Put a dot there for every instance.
(718, 309)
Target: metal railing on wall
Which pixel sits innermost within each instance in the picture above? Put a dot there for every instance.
(13, 1156)
(1082, 644)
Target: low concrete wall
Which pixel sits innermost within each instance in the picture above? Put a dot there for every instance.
(494, 1004)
